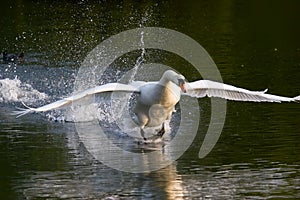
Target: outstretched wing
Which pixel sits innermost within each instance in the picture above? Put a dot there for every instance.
(209, 88)
(110, 87)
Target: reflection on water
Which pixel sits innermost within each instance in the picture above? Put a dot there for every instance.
(47, 160)
(80, 176)
(254, 44)
(244, 180)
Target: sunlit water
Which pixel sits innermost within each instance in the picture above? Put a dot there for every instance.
(256, 157)
(44, 157)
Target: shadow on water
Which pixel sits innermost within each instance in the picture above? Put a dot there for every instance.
(254, 44)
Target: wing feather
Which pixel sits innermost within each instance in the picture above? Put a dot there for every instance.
(110, 87)
(209, 88)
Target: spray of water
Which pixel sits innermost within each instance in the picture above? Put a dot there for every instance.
(13, 90)
(139, 60)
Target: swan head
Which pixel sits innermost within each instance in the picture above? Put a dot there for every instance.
(174, 77)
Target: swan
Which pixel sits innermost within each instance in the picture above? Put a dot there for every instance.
(156, 100)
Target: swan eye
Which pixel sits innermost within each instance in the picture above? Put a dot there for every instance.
(181, 83)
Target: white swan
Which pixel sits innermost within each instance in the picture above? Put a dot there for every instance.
(156, 100)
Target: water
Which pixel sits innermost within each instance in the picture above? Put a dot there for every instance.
(255, 45)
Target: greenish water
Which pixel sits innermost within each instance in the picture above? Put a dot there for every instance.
(255, 45)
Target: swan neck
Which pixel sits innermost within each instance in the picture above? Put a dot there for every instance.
(163, 81)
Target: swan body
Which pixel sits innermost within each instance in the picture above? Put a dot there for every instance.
(156, 100)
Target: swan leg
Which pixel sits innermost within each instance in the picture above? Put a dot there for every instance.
(143, 134)
(162, 131)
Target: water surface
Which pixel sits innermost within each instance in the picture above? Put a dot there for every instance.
(254, 44)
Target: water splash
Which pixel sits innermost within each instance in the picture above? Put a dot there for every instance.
(13, 90)
(139, 60)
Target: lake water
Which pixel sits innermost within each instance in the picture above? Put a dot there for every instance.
(254, 44)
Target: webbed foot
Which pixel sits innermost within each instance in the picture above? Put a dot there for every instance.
(161, 132)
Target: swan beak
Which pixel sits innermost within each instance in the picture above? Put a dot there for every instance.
(182, 85)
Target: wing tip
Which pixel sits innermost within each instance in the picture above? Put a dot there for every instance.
(297, 98)
(22, 111)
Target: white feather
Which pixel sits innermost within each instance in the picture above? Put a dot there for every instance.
(110, 87)
(153, 93)
(203, 88)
